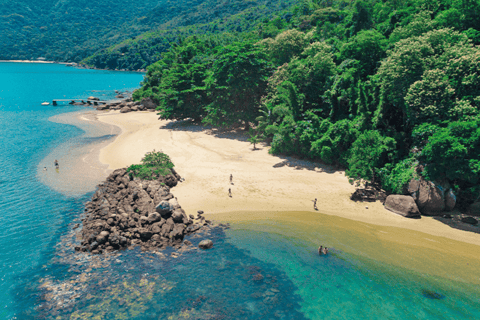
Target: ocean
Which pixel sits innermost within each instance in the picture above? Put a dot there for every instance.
(262, 269)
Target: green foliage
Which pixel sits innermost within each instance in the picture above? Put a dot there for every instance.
(154, 165)
(334, 144)
(254, 138)
(236, 82)
(383, 88)
(453, 153)
(395, 177)
(368, 153)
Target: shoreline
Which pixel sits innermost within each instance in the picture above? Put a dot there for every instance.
(262, 182)
(271, 191)
(80, 169)
(35, 61)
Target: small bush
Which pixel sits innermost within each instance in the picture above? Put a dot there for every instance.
(154, 165)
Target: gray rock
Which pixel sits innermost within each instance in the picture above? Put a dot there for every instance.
(164, 208)
(430, 199)
(450, 200)
(178, 215)
(148, 103)
(174, 203)
(402, 205)
(145, 233)
(134, 108)
(154, 217)
(125, 110)
(205, 244)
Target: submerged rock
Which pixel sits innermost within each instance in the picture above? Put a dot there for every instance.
(205, 244)
(430, 294)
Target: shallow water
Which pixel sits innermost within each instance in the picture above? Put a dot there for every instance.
(267, 269)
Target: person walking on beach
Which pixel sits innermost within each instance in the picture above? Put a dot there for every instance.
(315, 204)
(230, 192)
(231, 178)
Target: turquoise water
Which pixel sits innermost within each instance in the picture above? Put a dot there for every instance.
(274, 273)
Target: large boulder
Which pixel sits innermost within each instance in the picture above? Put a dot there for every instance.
(125, 110)
(148, 103)
(431, 198)
(205, 244)
(402, 205)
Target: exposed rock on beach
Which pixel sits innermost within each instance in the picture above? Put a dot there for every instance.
(127, 212)
(128, 105)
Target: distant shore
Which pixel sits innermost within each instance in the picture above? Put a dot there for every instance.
(35, 61)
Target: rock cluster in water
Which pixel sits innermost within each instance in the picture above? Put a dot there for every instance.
(128, 212)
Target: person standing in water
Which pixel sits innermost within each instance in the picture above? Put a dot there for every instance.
(56, 163)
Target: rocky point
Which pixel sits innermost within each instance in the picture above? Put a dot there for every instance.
(127, 211)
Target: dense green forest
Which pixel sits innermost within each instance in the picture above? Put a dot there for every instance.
(70, 30)
(145, 49)
(388, 90)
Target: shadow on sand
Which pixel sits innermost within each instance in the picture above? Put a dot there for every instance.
(240, 134)
(189, 125)
(299, 164)
(454, 222)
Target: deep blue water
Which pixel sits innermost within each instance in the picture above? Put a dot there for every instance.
(270, 271)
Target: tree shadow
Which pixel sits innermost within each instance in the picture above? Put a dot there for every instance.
(189, 125)
(301, 164)
(454, 222)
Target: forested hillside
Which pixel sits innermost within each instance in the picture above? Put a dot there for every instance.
(70, 30)
(145, 49)
(389, 90)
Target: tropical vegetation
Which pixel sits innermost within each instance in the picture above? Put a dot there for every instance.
(388, 90)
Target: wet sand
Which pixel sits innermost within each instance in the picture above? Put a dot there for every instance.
(80, 170)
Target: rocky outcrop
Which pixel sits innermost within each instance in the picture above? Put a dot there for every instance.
(402, 205)
(148, 103)
(127, 212)
(128, 105)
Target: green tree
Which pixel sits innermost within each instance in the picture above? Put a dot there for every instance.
(237, 81)
(367, 154)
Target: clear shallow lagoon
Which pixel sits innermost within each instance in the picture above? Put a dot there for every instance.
(261, 270)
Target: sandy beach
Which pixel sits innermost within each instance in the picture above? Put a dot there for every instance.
(274, 193)
(261, 182)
